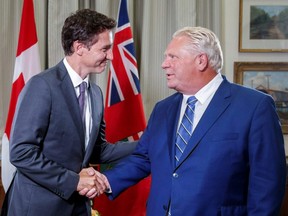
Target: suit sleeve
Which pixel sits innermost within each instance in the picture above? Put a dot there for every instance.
(30, 125)
(267, 161)
(105, 152)
(135, 167)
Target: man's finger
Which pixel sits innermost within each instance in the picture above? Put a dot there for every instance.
(83, 191)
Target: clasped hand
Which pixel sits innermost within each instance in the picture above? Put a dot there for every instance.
(92, 183)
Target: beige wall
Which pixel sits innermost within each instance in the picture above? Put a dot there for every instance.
(230, 45)
(229, 39)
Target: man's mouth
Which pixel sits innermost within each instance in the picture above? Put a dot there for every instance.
(169, 75)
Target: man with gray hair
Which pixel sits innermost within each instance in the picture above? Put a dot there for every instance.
(213, 147)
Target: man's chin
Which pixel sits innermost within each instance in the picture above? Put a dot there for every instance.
(100, 70)
(170, 85)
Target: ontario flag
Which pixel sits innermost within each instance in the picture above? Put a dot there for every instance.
(27, 64)
(124, 115)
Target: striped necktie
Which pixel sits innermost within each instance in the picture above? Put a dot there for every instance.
(185, 129)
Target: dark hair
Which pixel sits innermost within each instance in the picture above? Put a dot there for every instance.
(84, 26)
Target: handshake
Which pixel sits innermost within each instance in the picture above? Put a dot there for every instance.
(92, 183)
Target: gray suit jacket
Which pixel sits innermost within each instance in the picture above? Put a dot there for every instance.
(47, 145)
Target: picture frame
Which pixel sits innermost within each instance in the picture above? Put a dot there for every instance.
(262, 26)
(268, 77)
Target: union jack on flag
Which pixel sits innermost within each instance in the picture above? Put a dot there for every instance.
(123, 68)
(124, 113)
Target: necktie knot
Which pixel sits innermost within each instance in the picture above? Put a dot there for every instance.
(192, 100)
(82, 87)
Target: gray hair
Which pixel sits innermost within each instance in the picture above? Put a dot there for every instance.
(202, 40)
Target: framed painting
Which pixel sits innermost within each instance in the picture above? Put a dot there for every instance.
(263, 26)
(270, 78)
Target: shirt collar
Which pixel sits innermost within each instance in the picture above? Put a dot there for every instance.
(74, 76)
(209, 89)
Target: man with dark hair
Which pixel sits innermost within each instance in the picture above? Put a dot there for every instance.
(59, 129)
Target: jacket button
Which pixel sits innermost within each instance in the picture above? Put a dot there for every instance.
(175, 175)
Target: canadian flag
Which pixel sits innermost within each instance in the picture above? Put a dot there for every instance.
(27, 64)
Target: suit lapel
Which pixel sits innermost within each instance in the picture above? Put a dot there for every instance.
(217, 106)
(68, 92)
(172, 123)
(96, 109)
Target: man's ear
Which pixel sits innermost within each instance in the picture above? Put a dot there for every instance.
(78, 47)
(202, 61)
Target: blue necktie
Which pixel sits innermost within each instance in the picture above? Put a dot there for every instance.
(185, 129)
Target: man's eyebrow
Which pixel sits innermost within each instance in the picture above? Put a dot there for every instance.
(108, 46)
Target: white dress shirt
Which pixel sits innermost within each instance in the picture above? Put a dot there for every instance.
(77, 80)
(204, 96)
